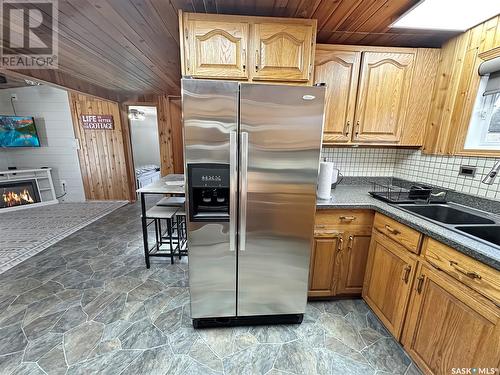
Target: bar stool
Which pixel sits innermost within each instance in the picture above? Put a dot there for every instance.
(180, 220)
(157, 214)
(172, 202)
(180, 217)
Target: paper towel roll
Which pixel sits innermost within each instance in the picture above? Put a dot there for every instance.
(325, 180)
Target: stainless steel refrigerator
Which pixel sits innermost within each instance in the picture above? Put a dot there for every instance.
(251, 156)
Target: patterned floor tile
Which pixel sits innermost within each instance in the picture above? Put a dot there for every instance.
(87, 304)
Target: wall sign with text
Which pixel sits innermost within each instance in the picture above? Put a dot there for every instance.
(97, 122)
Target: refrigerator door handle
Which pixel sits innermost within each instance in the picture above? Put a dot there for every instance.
(233, 188)
(243, 189)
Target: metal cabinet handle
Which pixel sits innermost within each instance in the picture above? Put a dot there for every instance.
(406, 275)
(233, 170)
(346, 128)
(347, 218)
(349, 244)
(243, 189)
(420, 283)
(471, 274)
(357, 129)
(339, 246)
(244, 58)
(392, 230)
(256, 60)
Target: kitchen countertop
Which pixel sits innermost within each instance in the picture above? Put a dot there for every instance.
(357, 197)
(161, 186)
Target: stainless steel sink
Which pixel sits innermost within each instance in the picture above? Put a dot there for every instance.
(488, 233)
(447, 214)
(480, 225)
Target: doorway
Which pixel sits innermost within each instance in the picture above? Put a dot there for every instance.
(145, 143)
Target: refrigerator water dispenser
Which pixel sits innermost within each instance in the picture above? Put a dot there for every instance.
(208, 192)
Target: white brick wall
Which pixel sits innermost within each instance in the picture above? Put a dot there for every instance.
(51, 109)
(414, 166)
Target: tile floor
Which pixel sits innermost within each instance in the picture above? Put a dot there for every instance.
(88, 305)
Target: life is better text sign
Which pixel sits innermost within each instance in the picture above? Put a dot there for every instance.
(97, 122)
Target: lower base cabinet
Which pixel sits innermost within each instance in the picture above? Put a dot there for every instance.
(450, 327)
(321, 274)
(388, 279)
(351, 262)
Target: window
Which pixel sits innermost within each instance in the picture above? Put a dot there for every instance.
(484, 127)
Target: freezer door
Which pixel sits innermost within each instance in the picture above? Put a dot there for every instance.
(280, 142)
(210, 115)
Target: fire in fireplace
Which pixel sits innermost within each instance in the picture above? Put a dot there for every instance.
(17, 193)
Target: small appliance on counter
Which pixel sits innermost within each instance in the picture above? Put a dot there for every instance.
(397, 194)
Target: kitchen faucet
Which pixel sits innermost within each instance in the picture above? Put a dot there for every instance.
(491, 175)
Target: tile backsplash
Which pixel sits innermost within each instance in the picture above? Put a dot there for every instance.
(366, 162)
(414, 166)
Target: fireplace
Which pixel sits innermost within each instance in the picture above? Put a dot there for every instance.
(18, 193)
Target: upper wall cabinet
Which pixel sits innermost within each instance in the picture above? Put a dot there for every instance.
(339, 70)
(456, 94)
(282, 52)
(368, 93)
(247, 48)
(217, 49)
(384, 89)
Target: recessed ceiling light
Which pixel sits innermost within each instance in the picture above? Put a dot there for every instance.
(459, 15)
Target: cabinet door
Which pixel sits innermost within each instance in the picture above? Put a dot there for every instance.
(217, 49)
(383, 96)
(282, 52)
(388, 279)
(351, 262)
(450, 326)
(321, 274)
(339, 70)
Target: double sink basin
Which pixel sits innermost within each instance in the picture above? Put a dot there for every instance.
(480, 225)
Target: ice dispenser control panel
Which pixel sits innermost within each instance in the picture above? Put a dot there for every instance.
(208, 192)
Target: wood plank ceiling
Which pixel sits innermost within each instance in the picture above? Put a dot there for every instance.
(130, 48)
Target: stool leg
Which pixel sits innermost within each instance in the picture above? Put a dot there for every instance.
(169, 230)
(179, 235)
(156, 235)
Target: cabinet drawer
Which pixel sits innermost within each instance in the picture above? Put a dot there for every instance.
(400, 233)
(476, 275)
(326, 219)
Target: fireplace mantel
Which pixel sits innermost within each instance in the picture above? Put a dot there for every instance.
(44, 185)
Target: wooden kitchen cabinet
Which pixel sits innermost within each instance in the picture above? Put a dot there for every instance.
(450, 326)
(339, 253)
(321, 274)
(388, 279)
(368, 93)
(216, 49)
(384, 90)
(282, 52)
(265, 49)
(351, 262)
(339, 70)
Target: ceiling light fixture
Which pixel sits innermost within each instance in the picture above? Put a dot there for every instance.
(135, 114)
(455, 15)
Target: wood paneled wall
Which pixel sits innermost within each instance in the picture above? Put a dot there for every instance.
(170, 134)
(104, 154)
(175, 111)
(456, 88)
